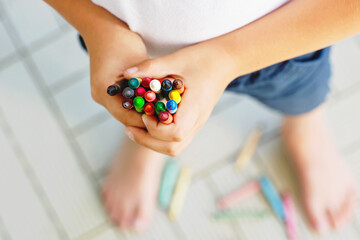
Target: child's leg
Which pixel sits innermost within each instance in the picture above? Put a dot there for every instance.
(328, 186)
(130, 190)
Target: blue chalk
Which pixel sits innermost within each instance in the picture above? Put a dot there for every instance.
(273, 197)
(168, 182)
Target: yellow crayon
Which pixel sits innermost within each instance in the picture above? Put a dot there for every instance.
(180, 191)
(175, 95)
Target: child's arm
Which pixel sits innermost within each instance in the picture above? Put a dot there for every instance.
(112, 48)
(299, 27)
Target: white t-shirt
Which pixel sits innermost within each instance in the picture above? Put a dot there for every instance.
(168, 25)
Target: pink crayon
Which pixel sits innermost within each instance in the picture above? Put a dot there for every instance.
(290, 216)
(238, 195)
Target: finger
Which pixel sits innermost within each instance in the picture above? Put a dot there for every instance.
(128, 117)
(344, 214)
(143, 138)
(317, 218)
(155, 68)
(159, 130)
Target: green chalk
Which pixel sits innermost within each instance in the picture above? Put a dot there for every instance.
(168, 182)
(234, 215)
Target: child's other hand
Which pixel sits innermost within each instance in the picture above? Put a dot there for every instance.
(110, 54)
(205, 74)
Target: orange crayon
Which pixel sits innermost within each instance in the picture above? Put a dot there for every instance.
(149, 109)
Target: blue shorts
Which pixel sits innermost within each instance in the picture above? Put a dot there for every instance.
(292, 87)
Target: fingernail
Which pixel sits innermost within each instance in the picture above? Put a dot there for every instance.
(144, 119)
(129, 134)
(132, 70)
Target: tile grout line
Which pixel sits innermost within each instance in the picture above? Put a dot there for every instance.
(4, 233)
(31, 175)
(53, 109)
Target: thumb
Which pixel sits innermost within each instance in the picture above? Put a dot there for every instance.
(154, 68)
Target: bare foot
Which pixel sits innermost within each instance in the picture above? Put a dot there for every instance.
(328, 186)
(131, 187)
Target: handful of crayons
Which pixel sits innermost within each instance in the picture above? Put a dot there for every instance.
(152, 96)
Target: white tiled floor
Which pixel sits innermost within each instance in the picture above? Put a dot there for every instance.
(56, 143)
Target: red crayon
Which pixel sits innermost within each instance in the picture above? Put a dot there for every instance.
(146, 82)
(150, 96)
(165, 117)
(140, 91)
(149, 109)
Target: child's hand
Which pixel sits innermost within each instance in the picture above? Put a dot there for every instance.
(110, 54)
(205, 75)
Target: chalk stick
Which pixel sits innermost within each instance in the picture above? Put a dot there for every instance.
(179, 196)
(238, 195)
(249, 148)
(272, 196)
(168, 181)
(234, 215)
(290, 216)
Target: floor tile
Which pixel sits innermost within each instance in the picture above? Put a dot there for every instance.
(67, 186)
(345, 58)
(159, 229)
(344, 119)
(32, 19)
(6, 46)
(60, 58)
(195, 220)
(76, 103)
(225, 133)
(19, 204)
(101, 143)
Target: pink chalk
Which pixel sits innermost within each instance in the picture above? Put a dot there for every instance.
(290, 216)
(238, 195)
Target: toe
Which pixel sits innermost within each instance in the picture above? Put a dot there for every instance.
(317, 218)
(345, 212)
(141, 220)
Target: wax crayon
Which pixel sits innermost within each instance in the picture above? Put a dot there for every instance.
(146, 82)
(238, 195)
(168, 182)
(272, 196)
(165, 117)
(128, 93)
(139, 102)
(155, 86)
(175, 95)
(127, 104)
(162, 95)
(139, 110)
(290, 216)
(117, 87)
(178, 85)
(140, 91)
(149, 109)
(134, 83)
(150, 96)
(235, 215)
(166, 85)
(180, 191)
(159, 106)
(249, 148)
(171, 106)
(140, 80)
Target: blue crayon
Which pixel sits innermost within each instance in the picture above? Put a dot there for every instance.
(171, 106)
(272, 196)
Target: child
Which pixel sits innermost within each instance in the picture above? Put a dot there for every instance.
(209, 44)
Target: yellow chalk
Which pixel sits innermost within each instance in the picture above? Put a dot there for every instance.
(249, 148)
(181, 189)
